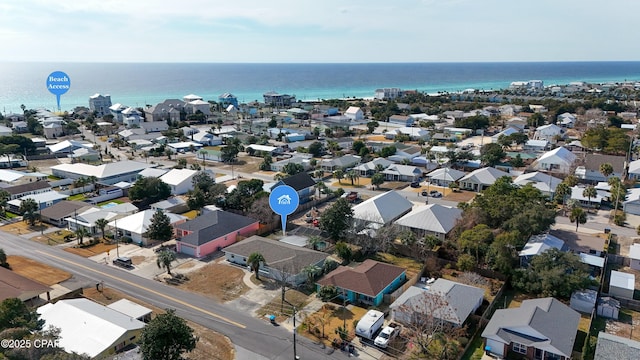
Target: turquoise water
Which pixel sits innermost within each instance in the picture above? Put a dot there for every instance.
(138, 84)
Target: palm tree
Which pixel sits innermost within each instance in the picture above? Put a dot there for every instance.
(562, 190)
(590, 192)
(617, 189)
(4, 197)
(29, 209)
(338, 174)
(606, 169)
(254, 262)
(578, 215)
(314, 241)
(204, 154)
(101, 224)
(164, 260)
(80, 234)
(311, 271)
(353, 175)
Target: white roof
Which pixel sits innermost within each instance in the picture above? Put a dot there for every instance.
(371, 165)
(129, 308)
(177, 176)
(44, 197)
(104, 170)
(446, 174)
(123, 208)
(540, 180)
(10, 175)
(559, 153)
(592, 260)
(68, 143)
(577, 191)
(87, 327)
(153, 172)
(537, 143)
(622, 280)
(198, 102)
(138, 223)
(434, 217)
(634, 167)
(185, 145)
(486, 175)
(404, 170)
(382, 208)
(89, 217)
(538, 244)
(266, 148)
(352, 110)
(634, 252)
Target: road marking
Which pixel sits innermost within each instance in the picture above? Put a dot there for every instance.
(149, 290)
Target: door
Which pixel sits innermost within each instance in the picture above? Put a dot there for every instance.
(495, 347)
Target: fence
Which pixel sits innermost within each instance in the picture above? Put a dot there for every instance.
(618, 260)
(390, 298)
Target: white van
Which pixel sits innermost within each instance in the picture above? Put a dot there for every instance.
(370, 323)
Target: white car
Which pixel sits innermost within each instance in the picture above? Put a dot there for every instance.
(388, 333)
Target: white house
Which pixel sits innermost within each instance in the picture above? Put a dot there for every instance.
(402, 173)
(567, 120)
(634, 170)
(559, 160)
(354, 113)
(87, 327)
(548, 132)
(180, 180)
(136, 225)
(432, 219)
(108, 174)
(382, 209)
(545, 183)
(536, 145)
(577, 193)
(87, 219)
(444, 176)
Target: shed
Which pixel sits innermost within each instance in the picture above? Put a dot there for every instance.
(622, 284)
(584, 301)
(608, 307)
(634, 255)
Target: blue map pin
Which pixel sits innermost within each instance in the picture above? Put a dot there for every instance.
(284, 200)
(58, 83)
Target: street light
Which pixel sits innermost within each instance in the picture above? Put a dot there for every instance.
(295, 353)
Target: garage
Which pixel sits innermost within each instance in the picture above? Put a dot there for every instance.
(185, 249)
(494, 347)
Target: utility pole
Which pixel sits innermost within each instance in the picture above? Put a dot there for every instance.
(295, 353)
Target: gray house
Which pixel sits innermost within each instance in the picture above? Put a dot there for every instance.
(539, 329)
(283, 262)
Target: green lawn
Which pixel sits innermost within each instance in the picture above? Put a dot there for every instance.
(10, 215)
(110, 201)
(77, 197)
(476, 349)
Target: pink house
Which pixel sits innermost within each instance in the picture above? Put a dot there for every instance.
(212, 231)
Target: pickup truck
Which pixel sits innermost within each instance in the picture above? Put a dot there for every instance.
(387, 334)
(351, 196)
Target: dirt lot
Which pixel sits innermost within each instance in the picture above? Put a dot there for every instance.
(218, 281)
(283, 311)
(211, 345)
(22, 227)
(52, 238)
(333, 317)
(100, 248)
(37, 271)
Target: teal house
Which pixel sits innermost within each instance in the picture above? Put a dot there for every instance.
(367, 283)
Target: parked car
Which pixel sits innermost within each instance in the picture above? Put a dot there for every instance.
(435, 193)
(124, 262)
(415, 184)
(387, 334)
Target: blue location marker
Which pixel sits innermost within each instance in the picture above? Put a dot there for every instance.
(284, 200)
(58, 83)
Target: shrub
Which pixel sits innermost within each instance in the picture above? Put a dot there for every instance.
(619, 219)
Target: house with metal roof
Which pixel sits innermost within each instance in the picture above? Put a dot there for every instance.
(544, 182)
(537, 244)
(539, 329)
(44, 200)
(432, 219)
(135, 226)
(212, 231)
(373, 166)
(283, 262)
(340, 163)
(402, 173)
(558, 160)
(481, 179)
(180, 180)
(366, 283)
(445, 300)
(444, 176)
(381, 209)
(108, 174)
(87, 327)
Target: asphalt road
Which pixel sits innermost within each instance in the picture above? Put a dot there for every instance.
(253, 338)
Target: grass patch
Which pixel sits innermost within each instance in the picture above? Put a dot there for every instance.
(10, 215)
(116, 201)
(413, 267)
(77, 197)
(475, 350)
(54, 178)
(191, 214)
(283, 311)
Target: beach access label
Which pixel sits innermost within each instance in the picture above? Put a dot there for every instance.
(58, 83)
(284, 200)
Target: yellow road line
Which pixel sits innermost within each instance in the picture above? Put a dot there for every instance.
(149, 290)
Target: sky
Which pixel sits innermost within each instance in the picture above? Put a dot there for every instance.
(319, 31)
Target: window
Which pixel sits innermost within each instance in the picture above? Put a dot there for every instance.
(519, 348)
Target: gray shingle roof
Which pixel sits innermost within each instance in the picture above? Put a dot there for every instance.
(554, 322)
(616, 347)
(277, 254)
(213, 225)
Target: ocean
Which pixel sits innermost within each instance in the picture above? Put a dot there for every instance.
(138, 84)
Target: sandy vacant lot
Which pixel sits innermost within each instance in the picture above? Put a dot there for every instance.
(97, 249)
(37, 271)
(218, 281)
